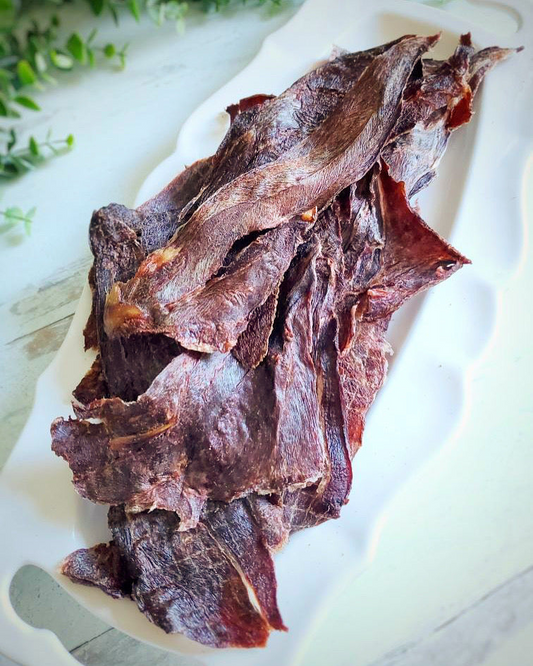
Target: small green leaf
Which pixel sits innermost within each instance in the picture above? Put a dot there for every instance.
(12, 140)
(91, 58)
(60, 60)
(8, 13)
(40, 62)
(31, 213)
(135, 9)
(27, 102)
(26, 73)
(34, 146)
(97, 6)
(14, 213)
(27, 227)
(92, 36)
(110, 50)
(70, 140)
(77, 48)
(114, 13)
(3, 109)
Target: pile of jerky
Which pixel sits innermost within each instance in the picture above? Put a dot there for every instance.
(240, 320)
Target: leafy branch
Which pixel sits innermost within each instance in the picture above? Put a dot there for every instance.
(14, 217)
(33, 53)
(18, 161)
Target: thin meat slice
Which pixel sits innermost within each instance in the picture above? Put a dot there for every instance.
(246, 103)
(257, 136)
(307, 176)
(252, 345)
(184, 582)
(120, 239)
(241, 540)
(414, 257)
(101, 566)
(213, 317)
(483, 61)
(435, 105)
(197, 583)
(138, 452)
(266, 128)
(206, 428)
(362, 371)
(92, 387)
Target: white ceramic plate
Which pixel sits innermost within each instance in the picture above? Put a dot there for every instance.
(475, 202)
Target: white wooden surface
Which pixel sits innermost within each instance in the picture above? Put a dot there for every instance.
(451, 583)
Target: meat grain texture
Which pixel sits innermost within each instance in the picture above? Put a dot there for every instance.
(240, 318)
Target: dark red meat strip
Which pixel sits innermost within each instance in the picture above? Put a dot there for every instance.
(184, 582)
(307, 176)
(101, 566)
(257, 136)
(252, 345)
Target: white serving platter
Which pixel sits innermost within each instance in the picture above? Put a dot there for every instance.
(475, 202)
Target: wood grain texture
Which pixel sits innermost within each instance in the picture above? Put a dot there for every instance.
(477, 633)
(33, 328)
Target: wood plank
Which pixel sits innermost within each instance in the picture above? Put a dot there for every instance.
(470, 638)
(37, 308)
(26, 357)
(114, 647)
(473, 635)
(73, 626)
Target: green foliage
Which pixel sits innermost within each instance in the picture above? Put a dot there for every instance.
(16, 161)
(34, 55)
(15, 217)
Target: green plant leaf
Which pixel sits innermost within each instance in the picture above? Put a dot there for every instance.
(110, 50)
(60, 60)
(135, 9)
(33, 146)
(97, 6)
(27, 102)
(77, 48)
(26, 73)
(40, 62)
(12, 140)
(14, 213)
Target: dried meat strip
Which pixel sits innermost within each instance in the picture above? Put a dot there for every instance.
(203, 589)
(206, 428)
(120, 239)
(257, 136)
(339, 152)
(101, 566)
(184, 581)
